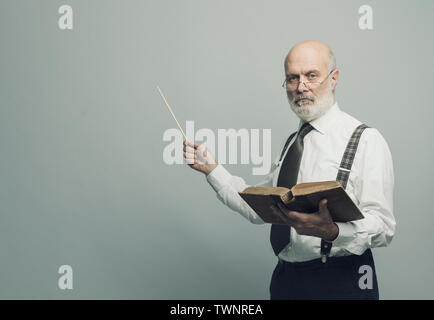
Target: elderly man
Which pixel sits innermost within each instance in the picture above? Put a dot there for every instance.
(318, 258)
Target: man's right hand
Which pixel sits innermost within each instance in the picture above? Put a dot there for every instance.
(198, 157)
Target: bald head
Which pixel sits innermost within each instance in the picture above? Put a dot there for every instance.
(311, 51)
(311, 79)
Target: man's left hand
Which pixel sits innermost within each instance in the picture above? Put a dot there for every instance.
(317, 224)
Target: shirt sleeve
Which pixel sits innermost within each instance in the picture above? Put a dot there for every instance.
(373, 189)
(227, 187)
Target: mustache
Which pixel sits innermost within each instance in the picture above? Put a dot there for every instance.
(302, 96)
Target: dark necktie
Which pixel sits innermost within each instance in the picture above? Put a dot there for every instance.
(280, 234)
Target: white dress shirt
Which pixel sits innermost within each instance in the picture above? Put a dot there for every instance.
(370, 186)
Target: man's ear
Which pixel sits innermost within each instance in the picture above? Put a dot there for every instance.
(335, 77)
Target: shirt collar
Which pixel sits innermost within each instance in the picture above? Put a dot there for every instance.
(324, 122)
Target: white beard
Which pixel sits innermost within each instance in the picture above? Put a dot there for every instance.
(307, 112)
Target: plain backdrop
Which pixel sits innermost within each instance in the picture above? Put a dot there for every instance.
(82, 178)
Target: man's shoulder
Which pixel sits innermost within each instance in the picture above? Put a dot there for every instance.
(349, 124)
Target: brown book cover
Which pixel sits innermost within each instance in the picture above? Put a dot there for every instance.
(303, 197)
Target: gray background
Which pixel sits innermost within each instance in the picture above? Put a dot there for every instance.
(82, 181)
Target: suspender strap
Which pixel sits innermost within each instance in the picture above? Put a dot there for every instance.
(343, 175)
(348, 158)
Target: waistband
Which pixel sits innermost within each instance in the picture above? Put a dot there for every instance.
(365, 258)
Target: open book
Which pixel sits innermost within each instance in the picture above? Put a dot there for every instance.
(303, 197)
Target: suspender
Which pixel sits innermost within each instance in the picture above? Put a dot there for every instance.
(348, 158)
(343, 175)
(343, 172)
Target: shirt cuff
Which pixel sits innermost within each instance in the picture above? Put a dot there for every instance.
(218, 178)
(347, 233)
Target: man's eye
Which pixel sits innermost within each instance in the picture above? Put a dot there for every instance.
(292, 79)
(312, 75)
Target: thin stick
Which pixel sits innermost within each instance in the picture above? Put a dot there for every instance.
(170, 109)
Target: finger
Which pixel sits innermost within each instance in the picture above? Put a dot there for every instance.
(189, 154)
(322, 206)
(190, 143)
(196, 144)
(323, 203)
(189, 157)
(282, 207)
(201, 148)
(188, 149)
(282, 215)
(288, 213)
(296, 216)
(204, 155)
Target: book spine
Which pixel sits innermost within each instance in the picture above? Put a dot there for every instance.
(287, 197)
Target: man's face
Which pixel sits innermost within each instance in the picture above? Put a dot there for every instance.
(309, 87)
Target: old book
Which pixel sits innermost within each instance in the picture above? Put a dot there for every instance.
(303, 197)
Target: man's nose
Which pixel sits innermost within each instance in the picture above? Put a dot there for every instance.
(302, 87)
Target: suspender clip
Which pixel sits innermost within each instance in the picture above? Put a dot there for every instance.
(324, 258)
(326, 247)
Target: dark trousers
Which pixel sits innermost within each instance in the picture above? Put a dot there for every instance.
(338, 278)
